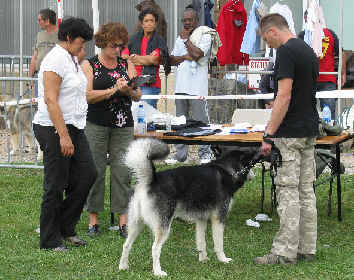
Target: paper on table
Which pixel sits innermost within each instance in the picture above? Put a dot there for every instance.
(258, 127)
(224, 131)
(244, 125)
(213, 126)
(232, 130)
(178, 120)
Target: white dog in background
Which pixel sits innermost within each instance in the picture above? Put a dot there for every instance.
(19, 119)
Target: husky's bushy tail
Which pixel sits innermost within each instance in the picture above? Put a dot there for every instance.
(140, 154)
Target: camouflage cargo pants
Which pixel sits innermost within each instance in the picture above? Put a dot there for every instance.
(296, 198)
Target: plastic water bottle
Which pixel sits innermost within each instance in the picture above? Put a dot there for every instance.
(141, 120)
(326, 114)
(167, 122)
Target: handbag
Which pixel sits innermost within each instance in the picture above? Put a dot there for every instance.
(326, 129)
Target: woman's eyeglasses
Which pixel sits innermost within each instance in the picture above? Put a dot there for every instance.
(114, 46)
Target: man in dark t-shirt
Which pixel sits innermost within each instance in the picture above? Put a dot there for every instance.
(292, 128)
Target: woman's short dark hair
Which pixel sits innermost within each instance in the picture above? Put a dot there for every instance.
(73, 28)
(110, 33)
(148, 11)
(49, 14)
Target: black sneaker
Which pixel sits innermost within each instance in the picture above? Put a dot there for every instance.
(93, 231)
(123, 231)
(306, 257)
(75, 241)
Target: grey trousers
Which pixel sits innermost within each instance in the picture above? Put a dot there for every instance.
(296, 198)
(112, 141)
(196, 110)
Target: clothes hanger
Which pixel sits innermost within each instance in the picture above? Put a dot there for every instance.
(234, 3)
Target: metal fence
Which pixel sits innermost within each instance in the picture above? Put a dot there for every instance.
(17, 110)
(110, 10)
(10, 67)
(224, 96)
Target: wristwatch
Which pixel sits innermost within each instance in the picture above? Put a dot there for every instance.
(267, 138)
(266, 135)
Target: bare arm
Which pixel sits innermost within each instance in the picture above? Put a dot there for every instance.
(145, 60)
(52, 82)
(280, 108)
(32, 67)
(175, 60)
(344, 68)
(131, 69)
(194, 51)
(136, 93)
(94, 96)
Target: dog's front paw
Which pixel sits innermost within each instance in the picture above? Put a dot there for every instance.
(123, 266)
(225, 260)
(160, 273)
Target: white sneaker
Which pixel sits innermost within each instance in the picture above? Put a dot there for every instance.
(171, 161)
(205, 160)
(114, 228)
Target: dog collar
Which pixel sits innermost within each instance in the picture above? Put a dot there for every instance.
(234, 175)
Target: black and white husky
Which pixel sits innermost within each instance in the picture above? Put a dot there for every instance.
(195, 193)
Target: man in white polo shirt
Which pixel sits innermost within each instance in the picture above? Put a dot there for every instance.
(191, 79)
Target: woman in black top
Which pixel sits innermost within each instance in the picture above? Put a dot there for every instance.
(110, 125)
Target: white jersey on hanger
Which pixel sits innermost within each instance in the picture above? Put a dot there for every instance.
(315, 25)
(284, 11)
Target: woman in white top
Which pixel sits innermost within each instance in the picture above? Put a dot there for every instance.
(59, 128)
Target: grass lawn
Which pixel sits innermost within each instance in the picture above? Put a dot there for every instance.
(21, 258)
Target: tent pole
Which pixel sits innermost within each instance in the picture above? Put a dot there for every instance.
(176, 18)
(340, 63)
(21, 46)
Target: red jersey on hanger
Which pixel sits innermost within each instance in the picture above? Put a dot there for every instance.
(327, 58)
(231, 28)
